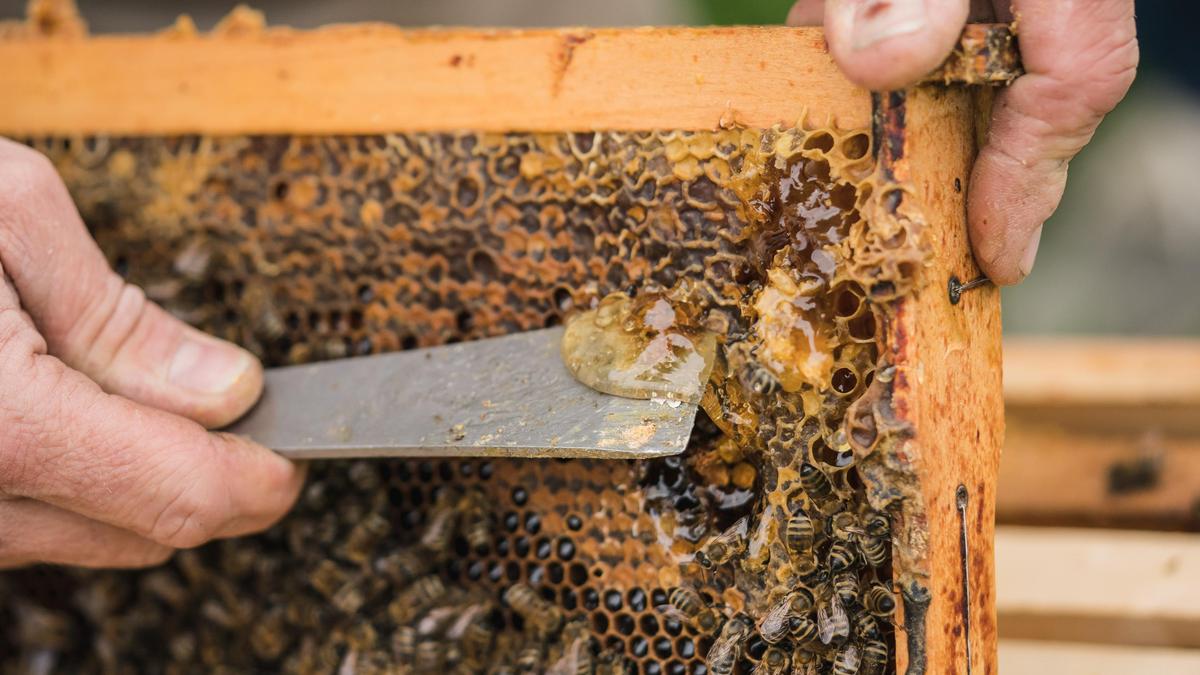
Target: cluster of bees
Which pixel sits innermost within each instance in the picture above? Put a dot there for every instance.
(833, 617)
(441, 628)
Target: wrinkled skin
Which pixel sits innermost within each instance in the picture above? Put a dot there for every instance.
(1080, 57)
(104, 400)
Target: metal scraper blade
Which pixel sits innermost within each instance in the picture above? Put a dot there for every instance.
(498, 397)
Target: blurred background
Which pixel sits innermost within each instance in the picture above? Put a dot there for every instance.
(1098, 565)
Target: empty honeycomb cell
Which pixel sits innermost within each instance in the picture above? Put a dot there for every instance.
(625, 624)
(520, 496)
(533, 523)
(512, 521)
(591, 598)
(844, 380)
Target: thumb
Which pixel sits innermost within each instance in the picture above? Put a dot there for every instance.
(97, 323)
(889, 44)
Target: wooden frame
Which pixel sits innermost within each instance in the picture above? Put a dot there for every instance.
(946, 390)
(1101, 432)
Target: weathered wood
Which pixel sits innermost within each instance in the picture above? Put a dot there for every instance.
(378, 78)
(1102, 432)
(951, 386)
(1029, 657)
(1045, 372)
(1132, 588)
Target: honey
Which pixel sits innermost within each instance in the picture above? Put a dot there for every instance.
(639, 348)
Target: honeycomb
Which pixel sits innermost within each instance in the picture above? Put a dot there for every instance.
(763, 548)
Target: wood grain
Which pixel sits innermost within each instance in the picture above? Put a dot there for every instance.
(1104, 586)
(378, 78)
(1034, 657)
(1102, 432)
(1102, 371)
(950, 356)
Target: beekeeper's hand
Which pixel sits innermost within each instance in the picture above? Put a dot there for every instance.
(1079, 55)
(104, 400)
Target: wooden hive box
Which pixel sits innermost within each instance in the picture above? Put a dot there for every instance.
(357, 189)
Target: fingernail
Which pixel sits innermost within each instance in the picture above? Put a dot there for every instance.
(1030, 253)
(208, 366)
(877, 20)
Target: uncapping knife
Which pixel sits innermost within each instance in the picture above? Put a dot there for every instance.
(508, 396)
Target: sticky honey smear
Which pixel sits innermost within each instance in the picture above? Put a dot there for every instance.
(777, 256)
(639, 348)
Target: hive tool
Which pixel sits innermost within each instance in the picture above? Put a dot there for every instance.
(508, 396)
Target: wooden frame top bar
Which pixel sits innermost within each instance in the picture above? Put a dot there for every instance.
(372, 78)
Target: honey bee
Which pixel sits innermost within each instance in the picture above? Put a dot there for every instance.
(440, 529)
(437, 620)
(364, 536)
(328, 577)
(877, 525)
(805, 662)
(611, 664)
(847, 660)
(874, 550)
(686, 605)
(841, 556)
(466, 619)
(866, 628)
(166, 587)
(476, 523)
(874, 657)
(845, 585)
(844, 526)
(477, 640)
(361, 636)
(727, 648)
(786, 616)
(416, 599)
(429, 657)
(404, 644)
(529, 659)
(832, 622)
(576, 658)
(269, 635)
(725, 546)
(540, 615)
(403, 566)
(774, 661)
(364, 475)
(802, 600)
(760, 380)
(817, 485)
(804, 630)
(350, 597)
(775, 625)
(879, 600)
(453, 656)
(798, 533)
